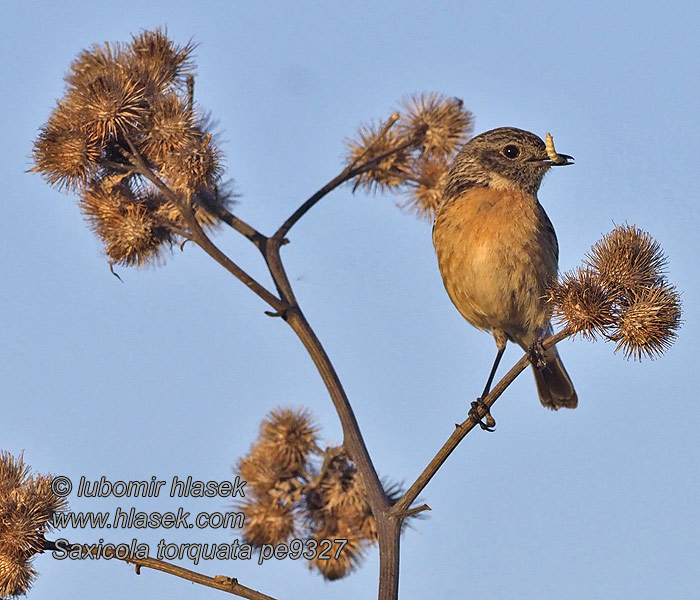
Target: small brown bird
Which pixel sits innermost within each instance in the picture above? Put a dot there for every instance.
(497, 249)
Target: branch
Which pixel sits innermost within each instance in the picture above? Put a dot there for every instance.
(201, 238)
(237, 224)
(402, 506)
(219, 582)
(348, 173)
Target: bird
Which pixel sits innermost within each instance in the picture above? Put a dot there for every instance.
(497, 250)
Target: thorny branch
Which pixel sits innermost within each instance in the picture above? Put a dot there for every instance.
(461, 430)
(218, 582)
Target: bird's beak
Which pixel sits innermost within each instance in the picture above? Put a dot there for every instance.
(562, 160)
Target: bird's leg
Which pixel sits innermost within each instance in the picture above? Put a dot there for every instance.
(536, 354)
(487, 389)
(479, 404)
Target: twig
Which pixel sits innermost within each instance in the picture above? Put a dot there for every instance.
(348, 173)
(464, 428)
(384, 130)
(219, 582)
(236, 224)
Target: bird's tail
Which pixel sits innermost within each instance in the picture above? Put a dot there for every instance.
(553, 383)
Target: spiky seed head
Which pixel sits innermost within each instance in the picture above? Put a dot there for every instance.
(429, 178)
(342, 491)
(582, 304)
(27, 505)
(290, 437)
(262, 472)
(627, 258)
(209, 199)
(113, 104)
(63, 153)
(648, 321)
(267, 521)
(129, 229)
(170, 128)
(442, 123)
(349, 557)
(122, 99)
(411, 151)
(96, 62)
(16, 575)
(195, 164)
(157, 58)
(374, 141)
(13, 472)
(169, 215)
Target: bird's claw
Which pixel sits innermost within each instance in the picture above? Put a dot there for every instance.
(536, 354)
(490, 424)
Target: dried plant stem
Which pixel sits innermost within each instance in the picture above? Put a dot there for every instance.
(348, 173)
(388, 528)
(219, 582)
(200, 237)
(382, 132)
(402, 506)
(287, 307)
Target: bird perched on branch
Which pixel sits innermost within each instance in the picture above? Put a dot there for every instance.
(497, 250)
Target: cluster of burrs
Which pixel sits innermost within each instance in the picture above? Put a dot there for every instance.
(290, 495)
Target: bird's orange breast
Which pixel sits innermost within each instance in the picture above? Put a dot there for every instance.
(497, 253)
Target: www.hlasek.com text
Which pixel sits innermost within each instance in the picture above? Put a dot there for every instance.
(133, 519)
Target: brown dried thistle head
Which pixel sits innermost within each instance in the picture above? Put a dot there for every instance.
(627, 259)
(289, 494)
(125, 222)
(337, 559)
(290, 437)
(335, 508)
(648, 321)
(27, 505)
(267, 521)
(582, 304)
(379, 145)
(127, 115)
(621, 294)
(276, 469)
(412, 150)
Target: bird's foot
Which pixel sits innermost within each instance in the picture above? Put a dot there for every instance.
(536, 354)
(475, 417)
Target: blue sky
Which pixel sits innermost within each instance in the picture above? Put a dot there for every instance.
(170, 372)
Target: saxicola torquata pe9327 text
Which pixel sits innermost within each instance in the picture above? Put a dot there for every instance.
(497, 249)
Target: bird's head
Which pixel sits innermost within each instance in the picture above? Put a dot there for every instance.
(504, 158)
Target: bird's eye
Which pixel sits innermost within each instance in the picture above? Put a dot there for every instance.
(511, 151)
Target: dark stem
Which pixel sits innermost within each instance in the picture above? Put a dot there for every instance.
(353, 441)
(197, 233)
(389, 534)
